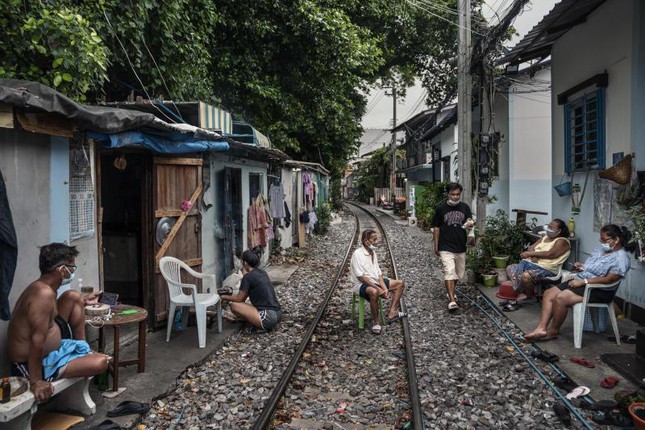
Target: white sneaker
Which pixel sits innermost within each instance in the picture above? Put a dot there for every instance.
(453, 306)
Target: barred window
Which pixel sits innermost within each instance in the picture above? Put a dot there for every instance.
(584, 132)
(81, 191)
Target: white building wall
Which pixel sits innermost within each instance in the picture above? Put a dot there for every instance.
(601, 44)
(526, 146)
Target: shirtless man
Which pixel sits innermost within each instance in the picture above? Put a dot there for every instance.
(40, 323)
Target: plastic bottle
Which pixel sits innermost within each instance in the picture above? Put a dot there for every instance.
(5, 390)
(572, 226)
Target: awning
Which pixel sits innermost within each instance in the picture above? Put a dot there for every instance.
(538, 42)
(42, 105)
(160, 144)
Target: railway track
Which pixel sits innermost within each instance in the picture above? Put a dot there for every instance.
(321, 368)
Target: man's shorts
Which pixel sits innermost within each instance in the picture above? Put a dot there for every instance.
(599, 295)
(454, 265)
(269, 318)
(363, 290)
(22, 368)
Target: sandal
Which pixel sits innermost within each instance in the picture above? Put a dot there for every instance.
(609, 382)
(376, 329)
(582, 361)
(547, 356)
(397, 317)
(511, 307)
(129, 407)
(580, 391)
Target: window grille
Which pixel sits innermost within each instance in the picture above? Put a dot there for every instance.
(81, 191)
(584, 133)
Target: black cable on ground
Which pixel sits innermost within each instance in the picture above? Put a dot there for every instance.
(546, 379)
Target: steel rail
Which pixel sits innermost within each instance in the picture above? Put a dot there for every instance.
(415, 399)
(272, 402)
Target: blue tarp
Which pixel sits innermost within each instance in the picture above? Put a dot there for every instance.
(171, 143)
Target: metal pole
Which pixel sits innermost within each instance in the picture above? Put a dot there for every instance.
(464, 100)
(393, 176)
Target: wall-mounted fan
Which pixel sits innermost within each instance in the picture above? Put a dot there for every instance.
(163, 229)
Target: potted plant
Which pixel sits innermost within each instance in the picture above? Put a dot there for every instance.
(637, 411)
(490, 279)
(502, 239)
(637, 217)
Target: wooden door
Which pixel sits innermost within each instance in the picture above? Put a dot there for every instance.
(174, 182)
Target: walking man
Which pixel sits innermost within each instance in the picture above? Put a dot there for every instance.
(452, 220)
(369, 282)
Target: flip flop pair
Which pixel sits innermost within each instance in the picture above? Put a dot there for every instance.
(582, 361)
(609, 382)
(580, 391)
(106, 425)
(399, 316)
(129, 407)
(511, 307)
(546, 356)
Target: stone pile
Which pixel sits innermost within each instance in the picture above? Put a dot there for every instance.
(468, 376)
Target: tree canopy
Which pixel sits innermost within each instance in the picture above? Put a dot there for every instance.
(298, 70)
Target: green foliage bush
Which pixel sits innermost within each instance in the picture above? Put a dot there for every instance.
(502, 237)
(323, 213)
(427, 199)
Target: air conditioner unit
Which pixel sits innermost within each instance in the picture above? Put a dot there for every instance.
(412, 221)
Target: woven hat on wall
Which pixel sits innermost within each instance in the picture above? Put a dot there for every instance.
(619, 172)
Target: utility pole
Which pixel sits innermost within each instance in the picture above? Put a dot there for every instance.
(464, 100)
(393, 175)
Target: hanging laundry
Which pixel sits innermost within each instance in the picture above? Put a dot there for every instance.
(306, 181)
(313, 219)
(276, 200)
(287, 215)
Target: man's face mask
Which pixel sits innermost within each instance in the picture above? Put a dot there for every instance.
(67, 281)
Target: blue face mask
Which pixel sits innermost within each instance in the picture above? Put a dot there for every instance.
(373, 247)
(453, 202)
(67, 281)
(606, 247)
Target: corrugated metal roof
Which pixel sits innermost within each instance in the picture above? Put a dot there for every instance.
(449, 119)
(562, 18)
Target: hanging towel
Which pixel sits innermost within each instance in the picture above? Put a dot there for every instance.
(69, 350)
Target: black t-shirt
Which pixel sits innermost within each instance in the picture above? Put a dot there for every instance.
(260, 290)
(449, 219)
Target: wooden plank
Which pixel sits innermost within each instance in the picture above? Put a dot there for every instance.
(160, 213)
(178, 224)
(179, 161)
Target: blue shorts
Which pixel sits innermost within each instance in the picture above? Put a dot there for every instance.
(363, 291)
(526, 266)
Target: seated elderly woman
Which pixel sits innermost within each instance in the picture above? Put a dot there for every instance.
(607, 264)
(542, 259)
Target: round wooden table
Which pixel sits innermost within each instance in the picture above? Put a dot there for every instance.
(123, 315)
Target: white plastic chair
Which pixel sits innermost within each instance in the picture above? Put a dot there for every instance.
(171, 268)
(580, 309)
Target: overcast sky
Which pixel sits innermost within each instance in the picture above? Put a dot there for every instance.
(380, 106)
